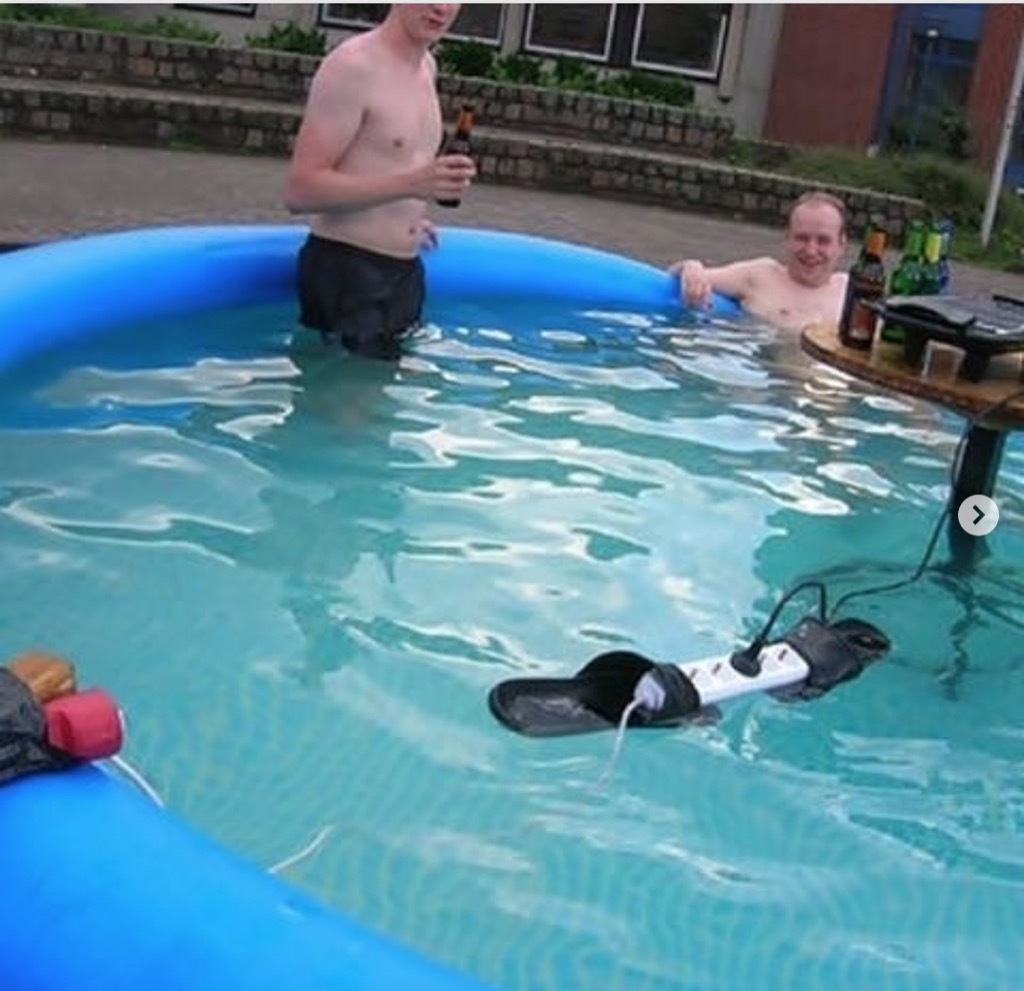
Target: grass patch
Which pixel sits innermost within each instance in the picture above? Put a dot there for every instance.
(68, 15)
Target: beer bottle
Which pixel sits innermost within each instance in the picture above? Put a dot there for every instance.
(867, 283)
(906, 279)
(459, 143)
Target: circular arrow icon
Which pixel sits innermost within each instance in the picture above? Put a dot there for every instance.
(978, 515)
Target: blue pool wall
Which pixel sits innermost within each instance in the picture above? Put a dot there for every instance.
(102, 889)
(54, 292)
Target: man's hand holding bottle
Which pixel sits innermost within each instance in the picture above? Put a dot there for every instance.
(456, 151)
(446, 177)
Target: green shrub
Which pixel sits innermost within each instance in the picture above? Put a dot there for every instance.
(290, 38)
(84, 17)
(466, 58)
(574, 74)
(66, 14)
(944, 130)
(648, 86)
(173, 27)
(519, 69)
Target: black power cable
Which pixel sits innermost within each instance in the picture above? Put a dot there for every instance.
(747, 661)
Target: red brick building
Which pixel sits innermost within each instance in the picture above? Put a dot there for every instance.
(857, 75)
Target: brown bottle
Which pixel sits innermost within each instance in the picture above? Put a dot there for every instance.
(47, 676)
(867, 284)
(459, 143)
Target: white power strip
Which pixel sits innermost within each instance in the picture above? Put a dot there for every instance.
(716, 680)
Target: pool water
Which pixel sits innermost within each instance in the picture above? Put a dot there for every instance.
(301, 575)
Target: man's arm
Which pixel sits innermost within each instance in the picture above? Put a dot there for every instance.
(737, 280)
(333, 115)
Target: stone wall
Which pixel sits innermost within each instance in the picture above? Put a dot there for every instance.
(88, 86)
(88, 112)
(587, 116)
(130, 60)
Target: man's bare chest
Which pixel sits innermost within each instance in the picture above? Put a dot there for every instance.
(403, 127)
(796, 306)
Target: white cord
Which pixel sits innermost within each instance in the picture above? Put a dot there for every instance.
(620, 736)
(136, 779)
(307, 851)
(150, 792)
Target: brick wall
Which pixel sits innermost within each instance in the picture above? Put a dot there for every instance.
(997, 55)
(830, 70)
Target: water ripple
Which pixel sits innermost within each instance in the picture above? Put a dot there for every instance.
(301, 575)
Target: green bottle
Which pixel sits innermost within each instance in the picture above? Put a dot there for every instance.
(931, 271)
(907, 278)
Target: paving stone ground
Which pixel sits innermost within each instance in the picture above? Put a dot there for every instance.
(50, 190)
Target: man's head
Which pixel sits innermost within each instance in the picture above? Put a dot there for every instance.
(424, 23)
(815, 238)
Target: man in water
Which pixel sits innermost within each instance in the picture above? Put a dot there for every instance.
(366, 165)
(805, 288)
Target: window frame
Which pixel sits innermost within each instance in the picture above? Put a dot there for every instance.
(710, 75)
(324, 19)
(602, 59)
(227, 9)
(494, 42)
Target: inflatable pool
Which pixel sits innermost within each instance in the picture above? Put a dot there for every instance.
(104, 890)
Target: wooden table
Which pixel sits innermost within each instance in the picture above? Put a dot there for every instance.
(978, 468)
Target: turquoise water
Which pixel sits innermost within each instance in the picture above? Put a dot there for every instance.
(301, 575)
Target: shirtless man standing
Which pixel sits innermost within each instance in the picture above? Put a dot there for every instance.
(366, 165)
(805, 289)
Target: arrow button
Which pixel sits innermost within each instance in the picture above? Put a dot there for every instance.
(978, 515)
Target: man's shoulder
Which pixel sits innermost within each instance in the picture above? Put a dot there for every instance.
(749, 267)
(351, 56)
(763, 268)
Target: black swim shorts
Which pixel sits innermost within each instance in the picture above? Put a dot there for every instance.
(358, 298)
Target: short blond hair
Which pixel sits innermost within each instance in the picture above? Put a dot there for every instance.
(820, 196)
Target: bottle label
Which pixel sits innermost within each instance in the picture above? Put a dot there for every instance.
(863, 320)
(457, 146)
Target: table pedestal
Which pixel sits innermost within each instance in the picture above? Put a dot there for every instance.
(975, 475)
(886, 365)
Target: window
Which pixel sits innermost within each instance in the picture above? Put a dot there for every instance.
(688, 38)
(353, 15)
(580, 29)
(935, 89)
(480, 22)
(476, 21)
(940, 70)
(245, 9)
(1014, 174)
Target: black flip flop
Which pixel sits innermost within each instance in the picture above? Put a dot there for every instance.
(594, 699)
